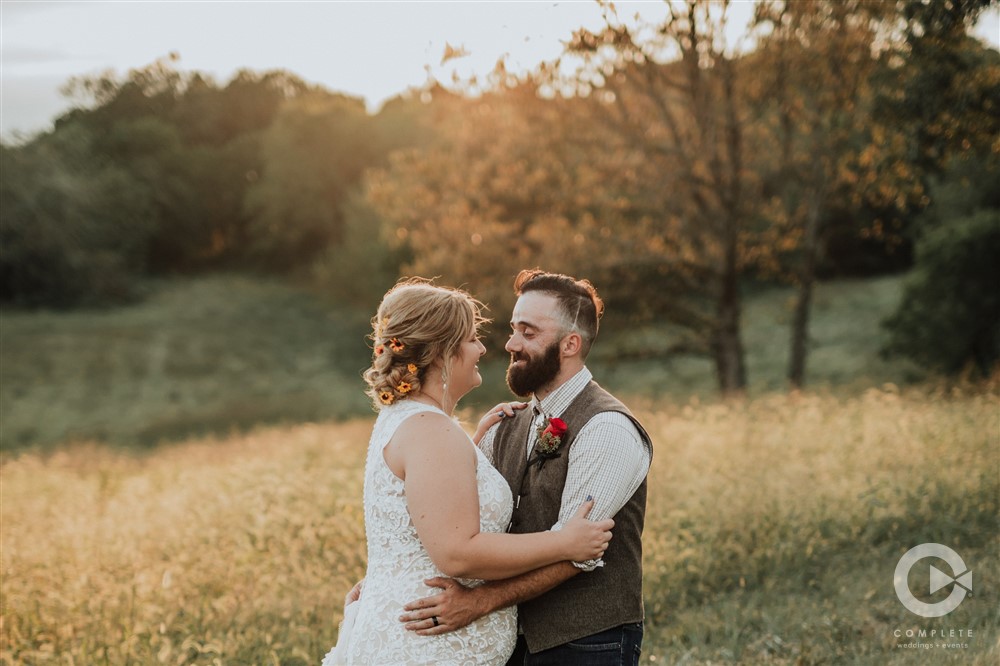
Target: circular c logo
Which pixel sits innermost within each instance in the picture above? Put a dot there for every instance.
(939, 579)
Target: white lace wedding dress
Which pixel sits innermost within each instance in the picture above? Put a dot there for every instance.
(398, 565)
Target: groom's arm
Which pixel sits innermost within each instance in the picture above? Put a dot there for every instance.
(457, 606)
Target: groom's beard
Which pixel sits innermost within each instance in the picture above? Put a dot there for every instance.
(534, 374)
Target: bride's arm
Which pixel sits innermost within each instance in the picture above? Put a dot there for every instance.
(433, 456)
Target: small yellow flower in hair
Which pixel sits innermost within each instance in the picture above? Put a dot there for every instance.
(396, 346)
(412, 367)
(379, 350)
(404, 388)
(386, 397)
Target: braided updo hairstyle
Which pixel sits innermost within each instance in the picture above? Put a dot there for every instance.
(416, 324)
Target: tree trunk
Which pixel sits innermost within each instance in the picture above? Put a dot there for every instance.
(727, 346)
(729, 356)
(803, 303)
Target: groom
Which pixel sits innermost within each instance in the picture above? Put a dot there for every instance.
(574, 441)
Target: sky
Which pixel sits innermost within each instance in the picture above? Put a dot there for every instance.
(373, 49)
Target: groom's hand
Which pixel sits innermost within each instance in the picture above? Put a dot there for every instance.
(454, 607)
(355, 593)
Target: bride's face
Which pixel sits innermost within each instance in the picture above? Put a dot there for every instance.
(465, 369)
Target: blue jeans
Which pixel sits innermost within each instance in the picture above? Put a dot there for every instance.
(619, 646)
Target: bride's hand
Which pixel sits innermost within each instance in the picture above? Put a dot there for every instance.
(354, 594)
(586, 539)
(495, 415)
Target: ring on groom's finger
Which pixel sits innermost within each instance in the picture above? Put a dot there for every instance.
(434, 619)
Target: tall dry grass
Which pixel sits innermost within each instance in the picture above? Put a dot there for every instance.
(772, 531)
(236, 551)
(774, 526)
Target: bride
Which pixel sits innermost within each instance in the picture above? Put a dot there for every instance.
(433, 503)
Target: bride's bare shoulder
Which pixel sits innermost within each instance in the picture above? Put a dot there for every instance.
(431, 428)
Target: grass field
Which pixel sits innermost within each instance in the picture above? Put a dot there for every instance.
(773, 528)
(180, 483)
(196, 357)
(225, 353)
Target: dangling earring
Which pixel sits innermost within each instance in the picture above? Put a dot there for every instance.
(444, 387)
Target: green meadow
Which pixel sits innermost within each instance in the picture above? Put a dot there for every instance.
(227, 353)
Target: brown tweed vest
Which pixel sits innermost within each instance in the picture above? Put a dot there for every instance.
(589, 602)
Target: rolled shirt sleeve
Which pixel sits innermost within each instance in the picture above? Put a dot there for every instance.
(608, 461)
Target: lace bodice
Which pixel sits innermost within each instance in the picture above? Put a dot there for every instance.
(398, 565)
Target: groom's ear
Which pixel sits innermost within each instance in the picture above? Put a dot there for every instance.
(571, 344)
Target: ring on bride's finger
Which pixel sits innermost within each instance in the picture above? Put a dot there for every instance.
(434, 619)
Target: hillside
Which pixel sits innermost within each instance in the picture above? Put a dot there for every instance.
(197, 356)
(214, 354)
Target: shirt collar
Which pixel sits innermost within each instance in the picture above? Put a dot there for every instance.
(555, 403)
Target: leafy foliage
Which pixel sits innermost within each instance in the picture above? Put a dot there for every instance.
(75, 227)
(250, 175)
(505, 186)
(950, 314)
(942, 86)
(313, 153)
(674, 94)
(362, 267)
(813, 83)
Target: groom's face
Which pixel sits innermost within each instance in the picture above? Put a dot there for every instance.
(536, 332)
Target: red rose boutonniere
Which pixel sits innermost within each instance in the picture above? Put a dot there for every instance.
(550, 438)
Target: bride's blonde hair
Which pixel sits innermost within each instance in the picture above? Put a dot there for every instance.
(416, 324)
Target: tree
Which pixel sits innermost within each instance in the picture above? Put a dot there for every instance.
(949, 317)
(314, 153)
(196, 146)
(942, 85)
(946, 92)
(75, 226)
(515, 180)
(493, 193)
(814, 71)
(361, 266)
(635, 177)
(674, 94)
(358, 270)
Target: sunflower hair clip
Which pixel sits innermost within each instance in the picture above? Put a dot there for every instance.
(386, 397)
(396, 346)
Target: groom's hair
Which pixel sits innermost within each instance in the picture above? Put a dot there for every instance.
(580, 307)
